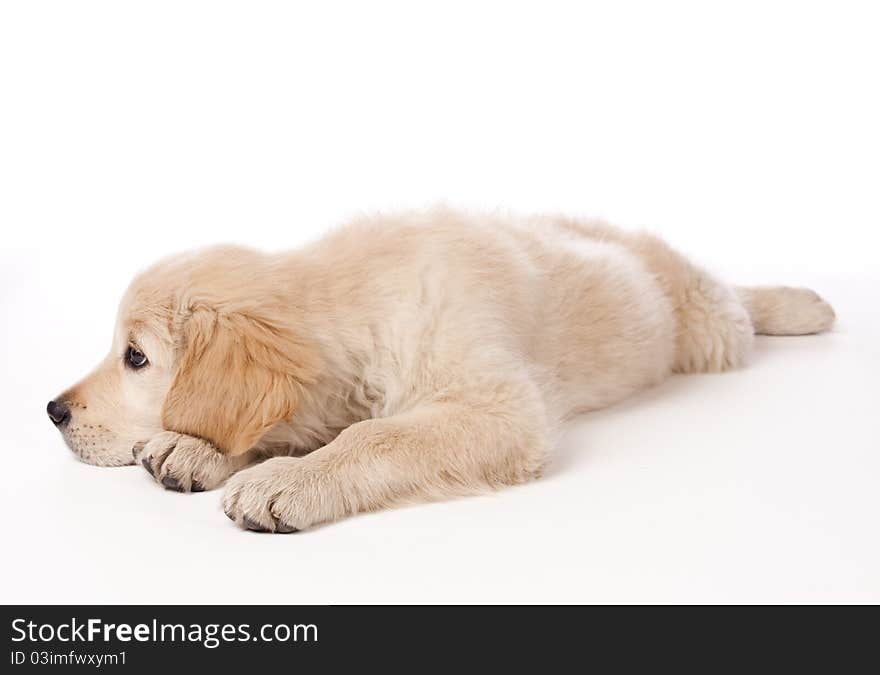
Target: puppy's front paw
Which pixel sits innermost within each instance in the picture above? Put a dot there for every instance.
(284, 494)
(185, 463)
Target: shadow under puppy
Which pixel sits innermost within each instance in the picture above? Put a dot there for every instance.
(400, 358)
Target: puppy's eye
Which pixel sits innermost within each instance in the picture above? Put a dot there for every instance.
(135, 359)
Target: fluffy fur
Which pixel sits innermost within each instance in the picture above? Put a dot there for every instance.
(401, 358)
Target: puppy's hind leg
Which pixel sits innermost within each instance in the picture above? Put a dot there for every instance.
(716, 322)
(781, 310)
(715, 332)
(454, 446)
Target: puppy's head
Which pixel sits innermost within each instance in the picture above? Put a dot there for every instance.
(205, 344)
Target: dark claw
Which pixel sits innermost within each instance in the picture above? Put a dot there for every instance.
(253, 525)
(196, 487)
(171, 483)
(136, 448)
(282, 528)
(147, 466)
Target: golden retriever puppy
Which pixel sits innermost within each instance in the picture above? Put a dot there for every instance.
(400, 358)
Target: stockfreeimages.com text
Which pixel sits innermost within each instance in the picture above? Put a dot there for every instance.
(209, 635)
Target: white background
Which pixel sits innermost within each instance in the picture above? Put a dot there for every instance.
(745, 133)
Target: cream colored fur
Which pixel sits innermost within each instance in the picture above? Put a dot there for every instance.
(402, 358)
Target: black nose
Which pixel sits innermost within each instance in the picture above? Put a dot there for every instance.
(58, 412)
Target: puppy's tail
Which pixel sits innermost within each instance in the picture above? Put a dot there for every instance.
(781, 310)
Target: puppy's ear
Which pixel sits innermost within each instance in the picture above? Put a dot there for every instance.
(238, 376)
